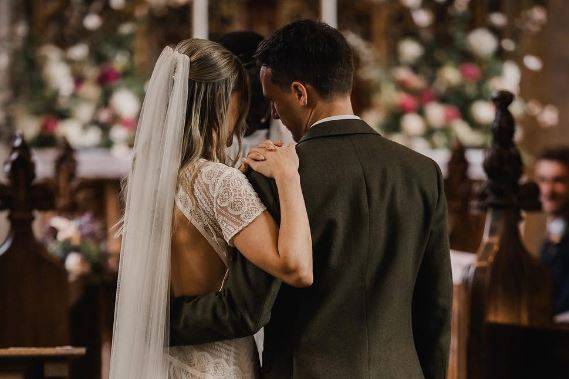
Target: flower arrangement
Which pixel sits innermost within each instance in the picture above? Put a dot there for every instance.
(439, 84)
(80, 243)
(88, 93)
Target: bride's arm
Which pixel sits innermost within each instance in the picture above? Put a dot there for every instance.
(284, 252)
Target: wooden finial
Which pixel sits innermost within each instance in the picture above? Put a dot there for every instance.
(20, 196)
(503, 163)
(65, 178)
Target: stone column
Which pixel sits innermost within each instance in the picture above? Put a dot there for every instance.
(329, 12)
(200, 20)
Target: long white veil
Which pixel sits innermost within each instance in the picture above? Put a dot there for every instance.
(140, 336)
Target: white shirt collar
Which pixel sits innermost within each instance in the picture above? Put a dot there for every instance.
(337, 117)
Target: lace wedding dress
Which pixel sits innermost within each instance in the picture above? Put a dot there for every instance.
(219, 201)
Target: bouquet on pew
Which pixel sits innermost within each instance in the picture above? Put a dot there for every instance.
(80, 243)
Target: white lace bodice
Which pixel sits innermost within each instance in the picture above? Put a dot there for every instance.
(219, 201)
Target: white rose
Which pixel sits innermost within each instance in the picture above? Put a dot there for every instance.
(449, 76)
(76, 265)
(127, 28)
(89, 91)
(78, 52)
(482, 42)
(409, 50)
(413, 124)
(549, 116)
(533, 62)
(461, 5)
(419, 144)
(92, 136)
(413, 4)
(72, 131)
(499, 83)
(498, 19)
(511, 73)
(483, 112)
(518, 107)
(117, 4)
(422, 17)
(119, 134)
(125, 103)
(435, 114)
(66, 229)
(50, 52)
(83, 111)
(92, 21)
(508, 45)
(509, 80)
(466, 135)
(29, 125)
(121, 60)
(58, 76)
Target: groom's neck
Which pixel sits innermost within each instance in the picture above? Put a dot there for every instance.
(334, 107)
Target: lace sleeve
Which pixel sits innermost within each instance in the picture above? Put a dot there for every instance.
(236, 204)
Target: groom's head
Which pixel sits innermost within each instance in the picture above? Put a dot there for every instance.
(305, 64)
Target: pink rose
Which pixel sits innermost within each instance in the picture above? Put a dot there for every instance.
(470, 72)
(49, 125)
(108, 76)
(427, 95)
(451, 113)
(128, 123)
(408, 103)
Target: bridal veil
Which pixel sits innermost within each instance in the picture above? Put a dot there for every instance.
(140, 333)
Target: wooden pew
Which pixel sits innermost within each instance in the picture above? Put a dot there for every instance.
(33, 363)
(510, 333)
(34, 305)
(33, 284)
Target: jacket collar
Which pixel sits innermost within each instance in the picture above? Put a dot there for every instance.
(337, 128)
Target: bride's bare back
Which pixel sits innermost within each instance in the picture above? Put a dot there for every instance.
(196, 268)
(216, 210)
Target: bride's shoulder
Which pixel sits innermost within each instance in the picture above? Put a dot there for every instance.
(209, 172)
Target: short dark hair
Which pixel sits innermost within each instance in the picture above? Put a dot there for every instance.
(311, 52)
(557, 154)
(244, 44)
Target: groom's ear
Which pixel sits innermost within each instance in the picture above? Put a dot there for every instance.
(300, 93)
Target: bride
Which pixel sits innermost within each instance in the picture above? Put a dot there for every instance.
(187, 207)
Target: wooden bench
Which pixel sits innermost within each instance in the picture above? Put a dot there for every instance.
(502, 316)
(36, 363)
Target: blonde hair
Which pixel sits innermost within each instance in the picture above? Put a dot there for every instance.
(215, 73)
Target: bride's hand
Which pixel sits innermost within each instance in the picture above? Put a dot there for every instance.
(258, 153)
(274, 161)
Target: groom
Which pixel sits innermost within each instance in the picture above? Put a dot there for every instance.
(381, 300)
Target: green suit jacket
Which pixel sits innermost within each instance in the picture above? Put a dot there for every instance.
(381, 299)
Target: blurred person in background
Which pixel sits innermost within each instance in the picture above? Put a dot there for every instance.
(552, 175)
(260, 125)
